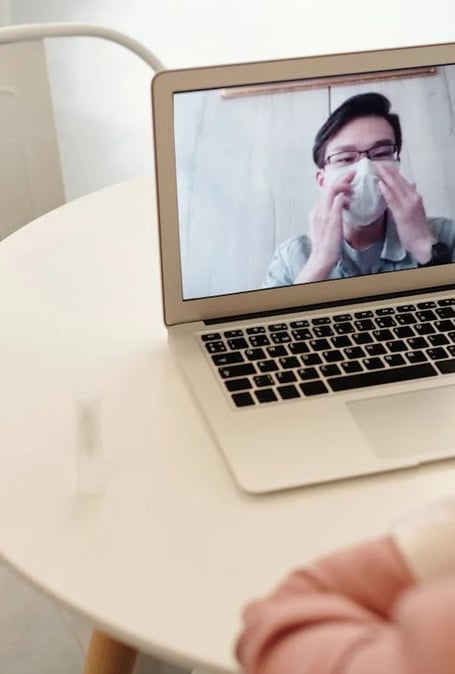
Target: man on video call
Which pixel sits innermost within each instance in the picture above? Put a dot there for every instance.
(368, 218)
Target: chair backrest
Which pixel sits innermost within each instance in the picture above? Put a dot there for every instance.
(30, 176)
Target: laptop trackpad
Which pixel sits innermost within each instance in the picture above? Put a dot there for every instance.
(418, 422)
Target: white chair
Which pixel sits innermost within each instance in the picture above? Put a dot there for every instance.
(31, 179)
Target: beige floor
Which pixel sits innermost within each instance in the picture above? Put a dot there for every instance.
(37, 636)
(34, 634)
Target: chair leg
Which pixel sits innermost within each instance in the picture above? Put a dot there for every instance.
(106, 655)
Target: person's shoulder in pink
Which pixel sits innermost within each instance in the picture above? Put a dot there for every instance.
(383, 607)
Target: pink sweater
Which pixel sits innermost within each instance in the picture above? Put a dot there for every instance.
(382, 607)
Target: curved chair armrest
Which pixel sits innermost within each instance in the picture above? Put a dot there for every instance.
(40, 31)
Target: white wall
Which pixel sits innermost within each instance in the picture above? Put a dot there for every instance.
(101, 95)
(5, 12)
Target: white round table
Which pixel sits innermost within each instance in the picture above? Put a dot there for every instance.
(166, 556)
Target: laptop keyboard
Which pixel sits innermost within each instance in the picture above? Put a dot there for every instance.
(285, 360)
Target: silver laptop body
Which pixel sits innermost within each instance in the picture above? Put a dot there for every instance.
(304, 379)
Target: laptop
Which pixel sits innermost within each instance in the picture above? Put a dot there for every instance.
(307, 235)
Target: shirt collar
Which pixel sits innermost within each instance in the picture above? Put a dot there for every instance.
(392, 249)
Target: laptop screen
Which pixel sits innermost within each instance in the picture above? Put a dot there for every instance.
(315, 179)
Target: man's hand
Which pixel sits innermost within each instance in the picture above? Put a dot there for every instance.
(407, 209)
(326, 230)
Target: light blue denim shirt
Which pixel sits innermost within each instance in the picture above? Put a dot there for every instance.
(291, 256)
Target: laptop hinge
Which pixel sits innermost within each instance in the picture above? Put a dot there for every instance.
(327, 305)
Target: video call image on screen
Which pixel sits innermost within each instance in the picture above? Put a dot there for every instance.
(310, 180)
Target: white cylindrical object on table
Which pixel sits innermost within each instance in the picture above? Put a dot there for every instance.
(89, 449)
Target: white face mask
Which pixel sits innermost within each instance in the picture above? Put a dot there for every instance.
(366, 203)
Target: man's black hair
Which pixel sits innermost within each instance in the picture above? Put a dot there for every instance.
(361, 105)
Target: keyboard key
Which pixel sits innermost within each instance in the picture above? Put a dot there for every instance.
(341, 341)
(397, 345)
(280, 337)
(286, 377)
(322, 320)
(446, 312)
(277, 327)
(406, 319)
(299, 324)
(237, 370)
(428, 315)
(289, 362)
(451, 336)
(259, 340)
(362, 338)
(385, 322)
(389, 376)
(313, 388)
(266, 365)
(311, 359)
(451, 349)
(444, 326)
(365, 324)
(228, 358)
(255, 354)
(424, 328)
(438, 339)
(437, 353)
(446, 366)
(308, 373)
(319, 344)
(323, 331)
(266, 395)
(426, 305)
(382, 335)
(332, 356)
(386, 311)
(301, 334)
(394, 359)
(238, 384)
(298, 347)
(355, 352)
(342, 318)
(344, 328)
(375, 349)
(416, 356)
(242, 399)
(238, 343)
(350, 366)
(215, 347)
(233, 333)
(404, 332)
(329, 370)
(372, 363)
(288, 392)
(255, 330)
(446, 302)
(211, 337)
(276, 351)
(363, 314)
(263, 380)
(417, 343)
(405, 308)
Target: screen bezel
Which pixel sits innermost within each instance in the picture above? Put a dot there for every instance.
(169, 82)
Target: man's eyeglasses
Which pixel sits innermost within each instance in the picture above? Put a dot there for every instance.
(376, 153)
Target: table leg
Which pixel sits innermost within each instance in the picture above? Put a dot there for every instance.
(106, 655)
